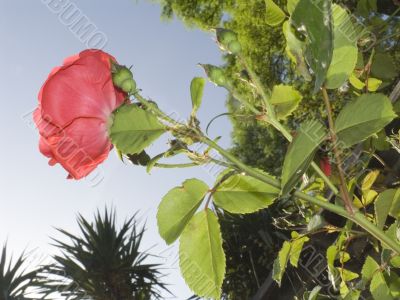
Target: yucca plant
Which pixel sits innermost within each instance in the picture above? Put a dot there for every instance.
(14, 280)
(103, 263)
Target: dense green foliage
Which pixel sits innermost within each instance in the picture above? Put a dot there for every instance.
(260, 145)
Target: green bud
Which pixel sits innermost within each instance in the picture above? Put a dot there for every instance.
(225, 36)
(235, 47)
(217, 76)
(120, 75)
(128, 86)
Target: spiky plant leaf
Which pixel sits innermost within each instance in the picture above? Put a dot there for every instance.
(103, 262)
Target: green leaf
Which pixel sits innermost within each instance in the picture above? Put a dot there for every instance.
(201, 256)
(314, 293)
(177, 208)
(363, 117)
(318, 31)
(345, 50)
(369, 180)
(285, 99)
(216, 75)
(134, 129)
(120, 155)
(196, 92)
(243, 194)
(291, 5)
(387, 202)
(383, 66)
(379, 288)
(356, 83)
(366, 7)
(296, 248)
(352, 295)
(395, 208)
(331, 254)
(316, 222)
(393, 233)
(280, 262)
(274, 14)
(347, 275)
(295, 51)
(374, 84)
(393, 280)
(301, 153)
(369, 268)
(154, 161)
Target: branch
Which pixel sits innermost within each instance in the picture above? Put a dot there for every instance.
(336, 152)
(395, 94)
(356, 217)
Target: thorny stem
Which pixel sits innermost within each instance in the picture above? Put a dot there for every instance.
(172, 166)
(368, 69)
(355, 217)
(271, 119)
(339, 164)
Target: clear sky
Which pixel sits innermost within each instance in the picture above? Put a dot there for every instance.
(35, 197)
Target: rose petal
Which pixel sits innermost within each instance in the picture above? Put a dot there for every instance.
(82, 88)
(80, 147)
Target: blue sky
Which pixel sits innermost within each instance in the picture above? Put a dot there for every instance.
(35, 197)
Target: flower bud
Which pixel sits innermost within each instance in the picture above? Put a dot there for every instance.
(225, 36)
(123, 78)
(234, 47)
(128, 86)
(228, 40)
(215, 74)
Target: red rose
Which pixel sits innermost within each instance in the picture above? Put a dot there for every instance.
(75, 107)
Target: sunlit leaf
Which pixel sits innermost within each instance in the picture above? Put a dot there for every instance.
(301, 153)
(374, 84)
(201, 257)
(319, 34)
(369, 268)
(244, 194)
(387, 203)
(196, 92)
(291, 5)
(374, 111)
(379, 288)
(274, 14)
(285, 100)
(134, 129)
(355, 82)
(296, 248)
(280, 262)
(345, 50)
(177, 208)
(295, 50)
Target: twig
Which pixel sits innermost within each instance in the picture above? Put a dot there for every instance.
(395, 94)
(334, 139)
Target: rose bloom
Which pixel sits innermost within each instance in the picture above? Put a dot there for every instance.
(75, 111)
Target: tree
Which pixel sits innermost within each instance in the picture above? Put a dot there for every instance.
(104, 263)
(15, 282)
